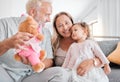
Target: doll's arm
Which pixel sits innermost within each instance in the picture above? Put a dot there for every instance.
(40, 37)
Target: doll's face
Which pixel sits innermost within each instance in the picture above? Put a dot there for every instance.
(29, 25)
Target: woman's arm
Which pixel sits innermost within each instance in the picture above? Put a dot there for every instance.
(86, 65)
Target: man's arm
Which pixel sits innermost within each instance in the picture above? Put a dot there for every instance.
(4, 46)
(14, 42)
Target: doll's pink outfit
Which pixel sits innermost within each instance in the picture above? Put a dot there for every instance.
(31, 51)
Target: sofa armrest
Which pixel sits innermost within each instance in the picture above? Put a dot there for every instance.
(108, 46)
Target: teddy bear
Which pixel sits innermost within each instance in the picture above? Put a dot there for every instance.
(32, 52)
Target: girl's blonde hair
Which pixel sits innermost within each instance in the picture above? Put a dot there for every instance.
(56, 36)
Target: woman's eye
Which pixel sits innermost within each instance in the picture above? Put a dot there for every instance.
(75, 30)
(60, 26)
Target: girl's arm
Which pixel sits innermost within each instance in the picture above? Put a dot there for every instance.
(99, 53)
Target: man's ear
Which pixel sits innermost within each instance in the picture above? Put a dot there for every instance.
(32, 12)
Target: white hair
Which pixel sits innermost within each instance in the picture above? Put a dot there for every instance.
(32, 4)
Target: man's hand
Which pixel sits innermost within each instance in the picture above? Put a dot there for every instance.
(18, 39)
(48, 62)
(15, 41)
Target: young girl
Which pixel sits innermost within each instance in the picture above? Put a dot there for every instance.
(83, 49)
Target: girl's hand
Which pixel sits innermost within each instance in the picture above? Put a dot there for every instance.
(107, 69)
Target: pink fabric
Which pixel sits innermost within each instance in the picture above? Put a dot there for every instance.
(32, 56)
(32, 52)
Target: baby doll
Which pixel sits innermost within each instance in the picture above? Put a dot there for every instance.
(32, 52)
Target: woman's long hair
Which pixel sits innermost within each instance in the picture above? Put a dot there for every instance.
(56, 36)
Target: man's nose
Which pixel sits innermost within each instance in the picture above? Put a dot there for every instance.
(48, 19)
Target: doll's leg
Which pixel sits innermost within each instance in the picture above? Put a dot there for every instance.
(17, 57)
(42, 55)
(37, 65)
(34, 58)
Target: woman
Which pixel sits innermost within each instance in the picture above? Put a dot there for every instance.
(62, 40)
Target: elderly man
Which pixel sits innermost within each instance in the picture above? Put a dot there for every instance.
(10, 38)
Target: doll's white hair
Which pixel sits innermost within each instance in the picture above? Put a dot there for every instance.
(33, 4)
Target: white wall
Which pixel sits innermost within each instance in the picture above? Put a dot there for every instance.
(10, 8)
(90, 13)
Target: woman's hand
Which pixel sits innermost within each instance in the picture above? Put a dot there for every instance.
(85, 66)
(88, 64)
